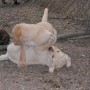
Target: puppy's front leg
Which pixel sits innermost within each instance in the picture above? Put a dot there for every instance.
(51, 69)
(51, 64)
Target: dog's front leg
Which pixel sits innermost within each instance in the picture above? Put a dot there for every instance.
(51, 69)
(51, 64)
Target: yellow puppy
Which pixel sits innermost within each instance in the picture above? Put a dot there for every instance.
(38, 34)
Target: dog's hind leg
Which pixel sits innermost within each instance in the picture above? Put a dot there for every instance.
(4, 57)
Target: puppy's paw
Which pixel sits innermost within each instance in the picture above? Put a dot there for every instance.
(68, 63)
(51, 69)
(21, 65)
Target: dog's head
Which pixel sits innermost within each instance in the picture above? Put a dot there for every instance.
(4, 36)
(59, 58)
(55, 52)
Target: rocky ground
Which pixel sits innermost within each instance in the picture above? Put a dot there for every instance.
(77, 77)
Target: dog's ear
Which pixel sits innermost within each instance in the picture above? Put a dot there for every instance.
(51, 49)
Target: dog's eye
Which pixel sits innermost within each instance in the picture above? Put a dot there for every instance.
(58, 51)
(53, 56)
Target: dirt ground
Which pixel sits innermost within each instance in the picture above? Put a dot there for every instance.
(76, 77)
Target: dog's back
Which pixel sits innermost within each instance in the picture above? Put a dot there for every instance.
(39, 33)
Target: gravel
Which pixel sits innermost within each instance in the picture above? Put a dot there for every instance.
(37, 77)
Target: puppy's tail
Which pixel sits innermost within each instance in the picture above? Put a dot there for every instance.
(68, 61)
(45, 15)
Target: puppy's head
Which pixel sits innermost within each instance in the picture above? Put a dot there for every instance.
(55, 52)
(59, 58)
(16, 34)
(4, 36)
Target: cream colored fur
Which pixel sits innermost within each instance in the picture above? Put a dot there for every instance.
(38, 34)
(53, 58)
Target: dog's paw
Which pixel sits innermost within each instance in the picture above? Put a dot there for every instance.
(51, 69)
(21, 65)
(68, 64)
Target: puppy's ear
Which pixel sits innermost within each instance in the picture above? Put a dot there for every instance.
(51, 49)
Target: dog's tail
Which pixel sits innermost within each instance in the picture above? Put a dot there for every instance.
(68, 62)
(45, 15)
